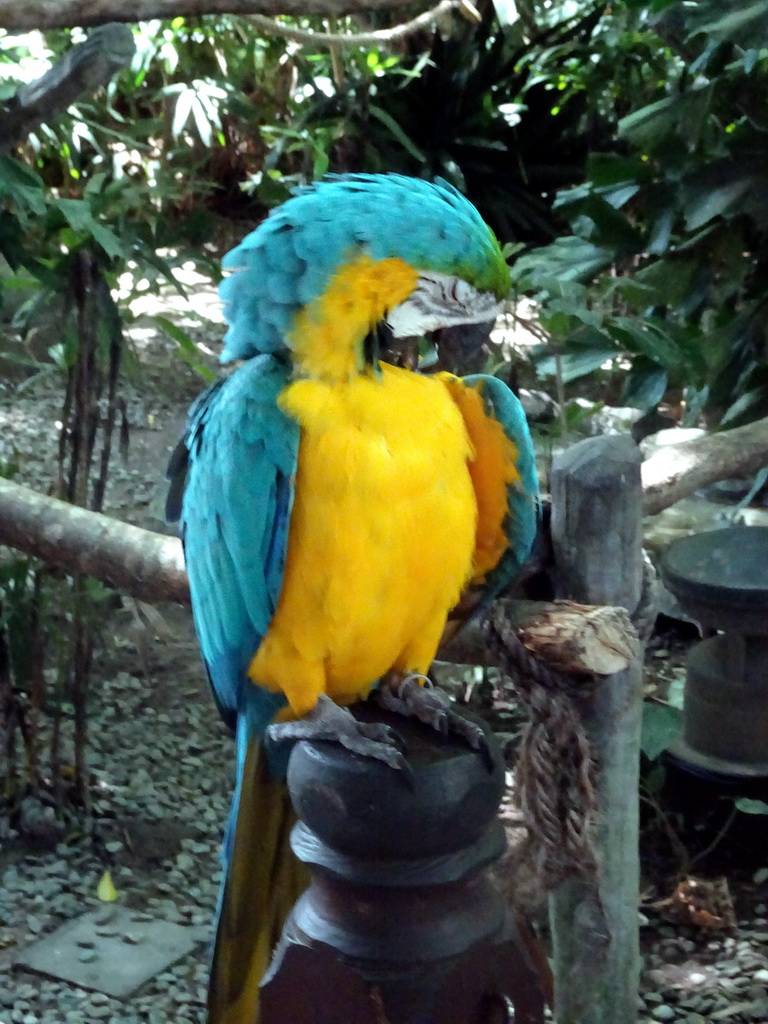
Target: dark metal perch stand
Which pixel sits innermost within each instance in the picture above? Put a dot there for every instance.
(401, 924)
(721, 579)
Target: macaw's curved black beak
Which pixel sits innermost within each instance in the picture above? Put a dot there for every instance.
(459, 349)
(463, 349)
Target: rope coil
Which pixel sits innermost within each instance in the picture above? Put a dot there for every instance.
(556, 766)
(555, 769)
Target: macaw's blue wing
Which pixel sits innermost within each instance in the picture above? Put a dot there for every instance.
(522, 520)
(232, 487)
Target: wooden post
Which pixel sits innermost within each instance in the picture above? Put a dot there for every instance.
(597, 540)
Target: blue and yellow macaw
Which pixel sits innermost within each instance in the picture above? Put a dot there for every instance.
(333, 508)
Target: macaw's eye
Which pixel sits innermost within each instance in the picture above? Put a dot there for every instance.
(461, 292)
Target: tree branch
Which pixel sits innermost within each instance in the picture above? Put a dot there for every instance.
(147, 565)
(383, 35)
(26, 15)
(678, 470)
(82, 70)
(150, 566)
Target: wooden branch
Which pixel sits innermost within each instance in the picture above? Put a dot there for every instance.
(81, 71)
(150, 566)
(379, 37)
(138, 560)
(145, 564)
(26, 15)
(676, 471)
(570, 637)
(597, 543)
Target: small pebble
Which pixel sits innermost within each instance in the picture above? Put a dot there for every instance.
(663, 1012)
(98, 1012)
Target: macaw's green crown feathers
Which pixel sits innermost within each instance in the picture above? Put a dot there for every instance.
(290, 259)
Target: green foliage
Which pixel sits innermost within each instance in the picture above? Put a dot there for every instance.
(482, 108)
(665, 267)
(749, 806)
(662, 724)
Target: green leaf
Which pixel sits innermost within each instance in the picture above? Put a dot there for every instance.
(12, 172)
(202, 122)
(706, 204)
(389, 122)
(682, 117)
(653, 120)
(747, 806)
(22, 187)
(662, 724)
(646, 339)
(567, 260)
(671, 278)
(182, 111)
(556, 322)
(585, 352)
(188, 350)
(611, 169)
(752, 405)
(645, 385)
(745, 22)
(78, 215)
(609, 227)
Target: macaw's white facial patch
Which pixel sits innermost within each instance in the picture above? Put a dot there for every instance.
(441, 300)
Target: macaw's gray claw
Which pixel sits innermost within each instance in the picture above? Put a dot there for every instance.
(433, 707)
(329, 722)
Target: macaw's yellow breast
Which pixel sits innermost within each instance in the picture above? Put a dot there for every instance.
(381, 539)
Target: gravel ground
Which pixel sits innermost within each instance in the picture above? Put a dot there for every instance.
(160, 760)
(162, 774)
(161, 769)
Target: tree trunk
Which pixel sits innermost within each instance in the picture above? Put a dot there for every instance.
(26, 15)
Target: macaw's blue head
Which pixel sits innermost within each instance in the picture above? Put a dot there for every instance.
(351, 251)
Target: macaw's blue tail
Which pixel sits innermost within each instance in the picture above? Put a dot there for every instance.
(262, 883)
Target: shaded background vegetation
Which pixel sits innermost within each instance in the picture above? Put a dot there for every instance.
(623, 146)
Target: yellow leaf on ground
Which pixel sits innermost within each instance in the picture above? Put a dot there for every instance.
(106, 890)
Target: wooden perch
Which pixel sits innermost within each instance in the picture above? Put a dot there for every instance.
(147, 565)
(26, 15)
(597, 542)
(572, 637)
(678, 470)
(566, 636)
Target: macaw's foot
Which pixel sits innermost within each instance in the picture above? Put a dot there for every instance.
(328, 721)
(405, 696)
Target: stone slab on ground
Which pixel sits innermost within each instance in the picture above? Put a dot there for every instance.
(113, 951)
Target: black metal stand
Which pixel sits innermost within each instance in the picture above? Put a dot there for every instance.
(720, 579)
(400, 924)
